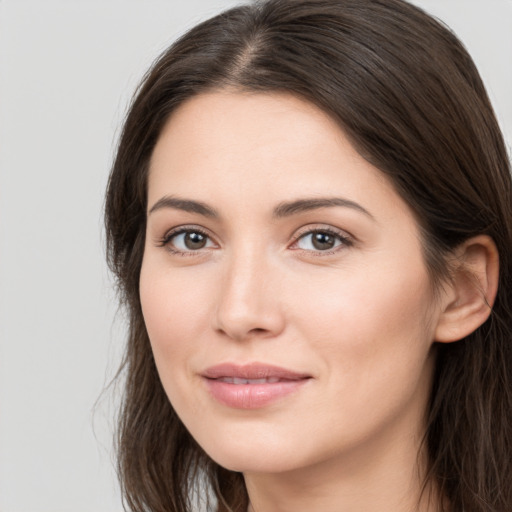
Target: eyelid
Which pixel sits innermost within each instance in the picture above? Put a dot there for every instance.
(165, 240)
(346, 238)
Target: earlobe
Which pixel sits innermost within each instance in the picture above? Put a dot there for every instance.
(470, 294)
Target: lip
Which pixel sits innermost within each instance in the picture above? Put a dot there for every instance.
(272, 383)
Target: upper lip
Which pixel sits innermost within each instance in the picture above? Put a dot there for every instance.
(252, 371)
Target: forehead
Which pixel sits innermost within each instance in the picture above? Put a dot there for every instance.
(238, 126)
(245, 148)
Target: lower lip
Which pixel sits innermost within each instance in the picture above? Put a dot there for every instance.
(252, 396)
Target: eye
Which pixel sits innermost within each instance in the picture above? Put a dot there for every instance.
(186, 240)
(321, 240)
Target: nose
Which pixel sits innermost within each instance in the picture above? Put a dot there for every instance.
(248, 303)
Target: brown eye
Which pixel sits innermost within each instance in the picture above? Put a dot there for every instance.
(194, 241)
(188, 240)
(322, 241)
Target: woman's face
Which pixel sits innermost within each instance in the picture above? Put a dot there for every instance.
(283, 287)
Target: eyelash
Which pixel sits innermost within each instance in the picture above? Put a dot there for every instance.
(166, 240)
(345, 241)
(343, 238)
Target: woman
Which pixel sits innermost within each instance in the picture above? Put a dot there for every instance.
(310, 218)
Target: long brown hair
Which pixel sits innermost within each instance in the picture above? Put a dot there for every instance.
(408, 95)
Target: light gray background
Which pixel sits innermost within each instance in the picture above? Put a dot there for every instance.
(67, 71)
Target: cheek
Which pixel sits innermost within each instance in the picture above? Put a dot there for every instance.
(373, 342)
(175, 309)
(370, 326)
(365, 297)
(175, 313)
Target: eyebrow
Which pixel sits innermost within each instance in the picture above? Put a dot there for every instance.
(186, 205)
(284, 209)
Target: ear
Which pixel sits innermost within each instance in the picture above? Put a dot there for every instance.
(470, 294)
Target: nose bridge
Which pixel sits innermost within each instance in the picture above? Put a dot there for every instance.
(247, 302)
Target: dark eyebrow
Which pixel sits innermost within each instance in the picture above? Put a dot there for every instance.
(187, 205)
(303, 205)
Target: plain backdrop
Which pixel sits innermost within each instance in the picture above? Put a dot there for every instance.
(67, 71)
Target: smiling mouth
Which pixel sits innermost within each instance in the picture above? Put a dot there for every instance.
(238, 381)
(251, 386)
(259, 373)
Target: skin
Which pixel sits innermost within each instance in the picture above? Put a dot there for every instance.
(360, 319)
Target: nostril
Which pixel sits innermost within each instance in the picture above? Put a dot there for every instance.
(258, 330)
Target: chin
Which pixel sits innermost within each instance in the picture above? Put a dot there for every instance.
(260, 462)
(254, 452)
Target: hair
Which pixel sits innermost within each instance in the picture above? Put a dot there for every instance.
(407, 94)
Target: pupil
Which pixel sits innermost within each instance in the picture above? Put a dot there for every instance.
(323, 241)
(195, 240)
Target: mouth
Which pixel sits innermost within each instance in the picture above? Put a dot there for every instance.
(251, 386)
(237, 381)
